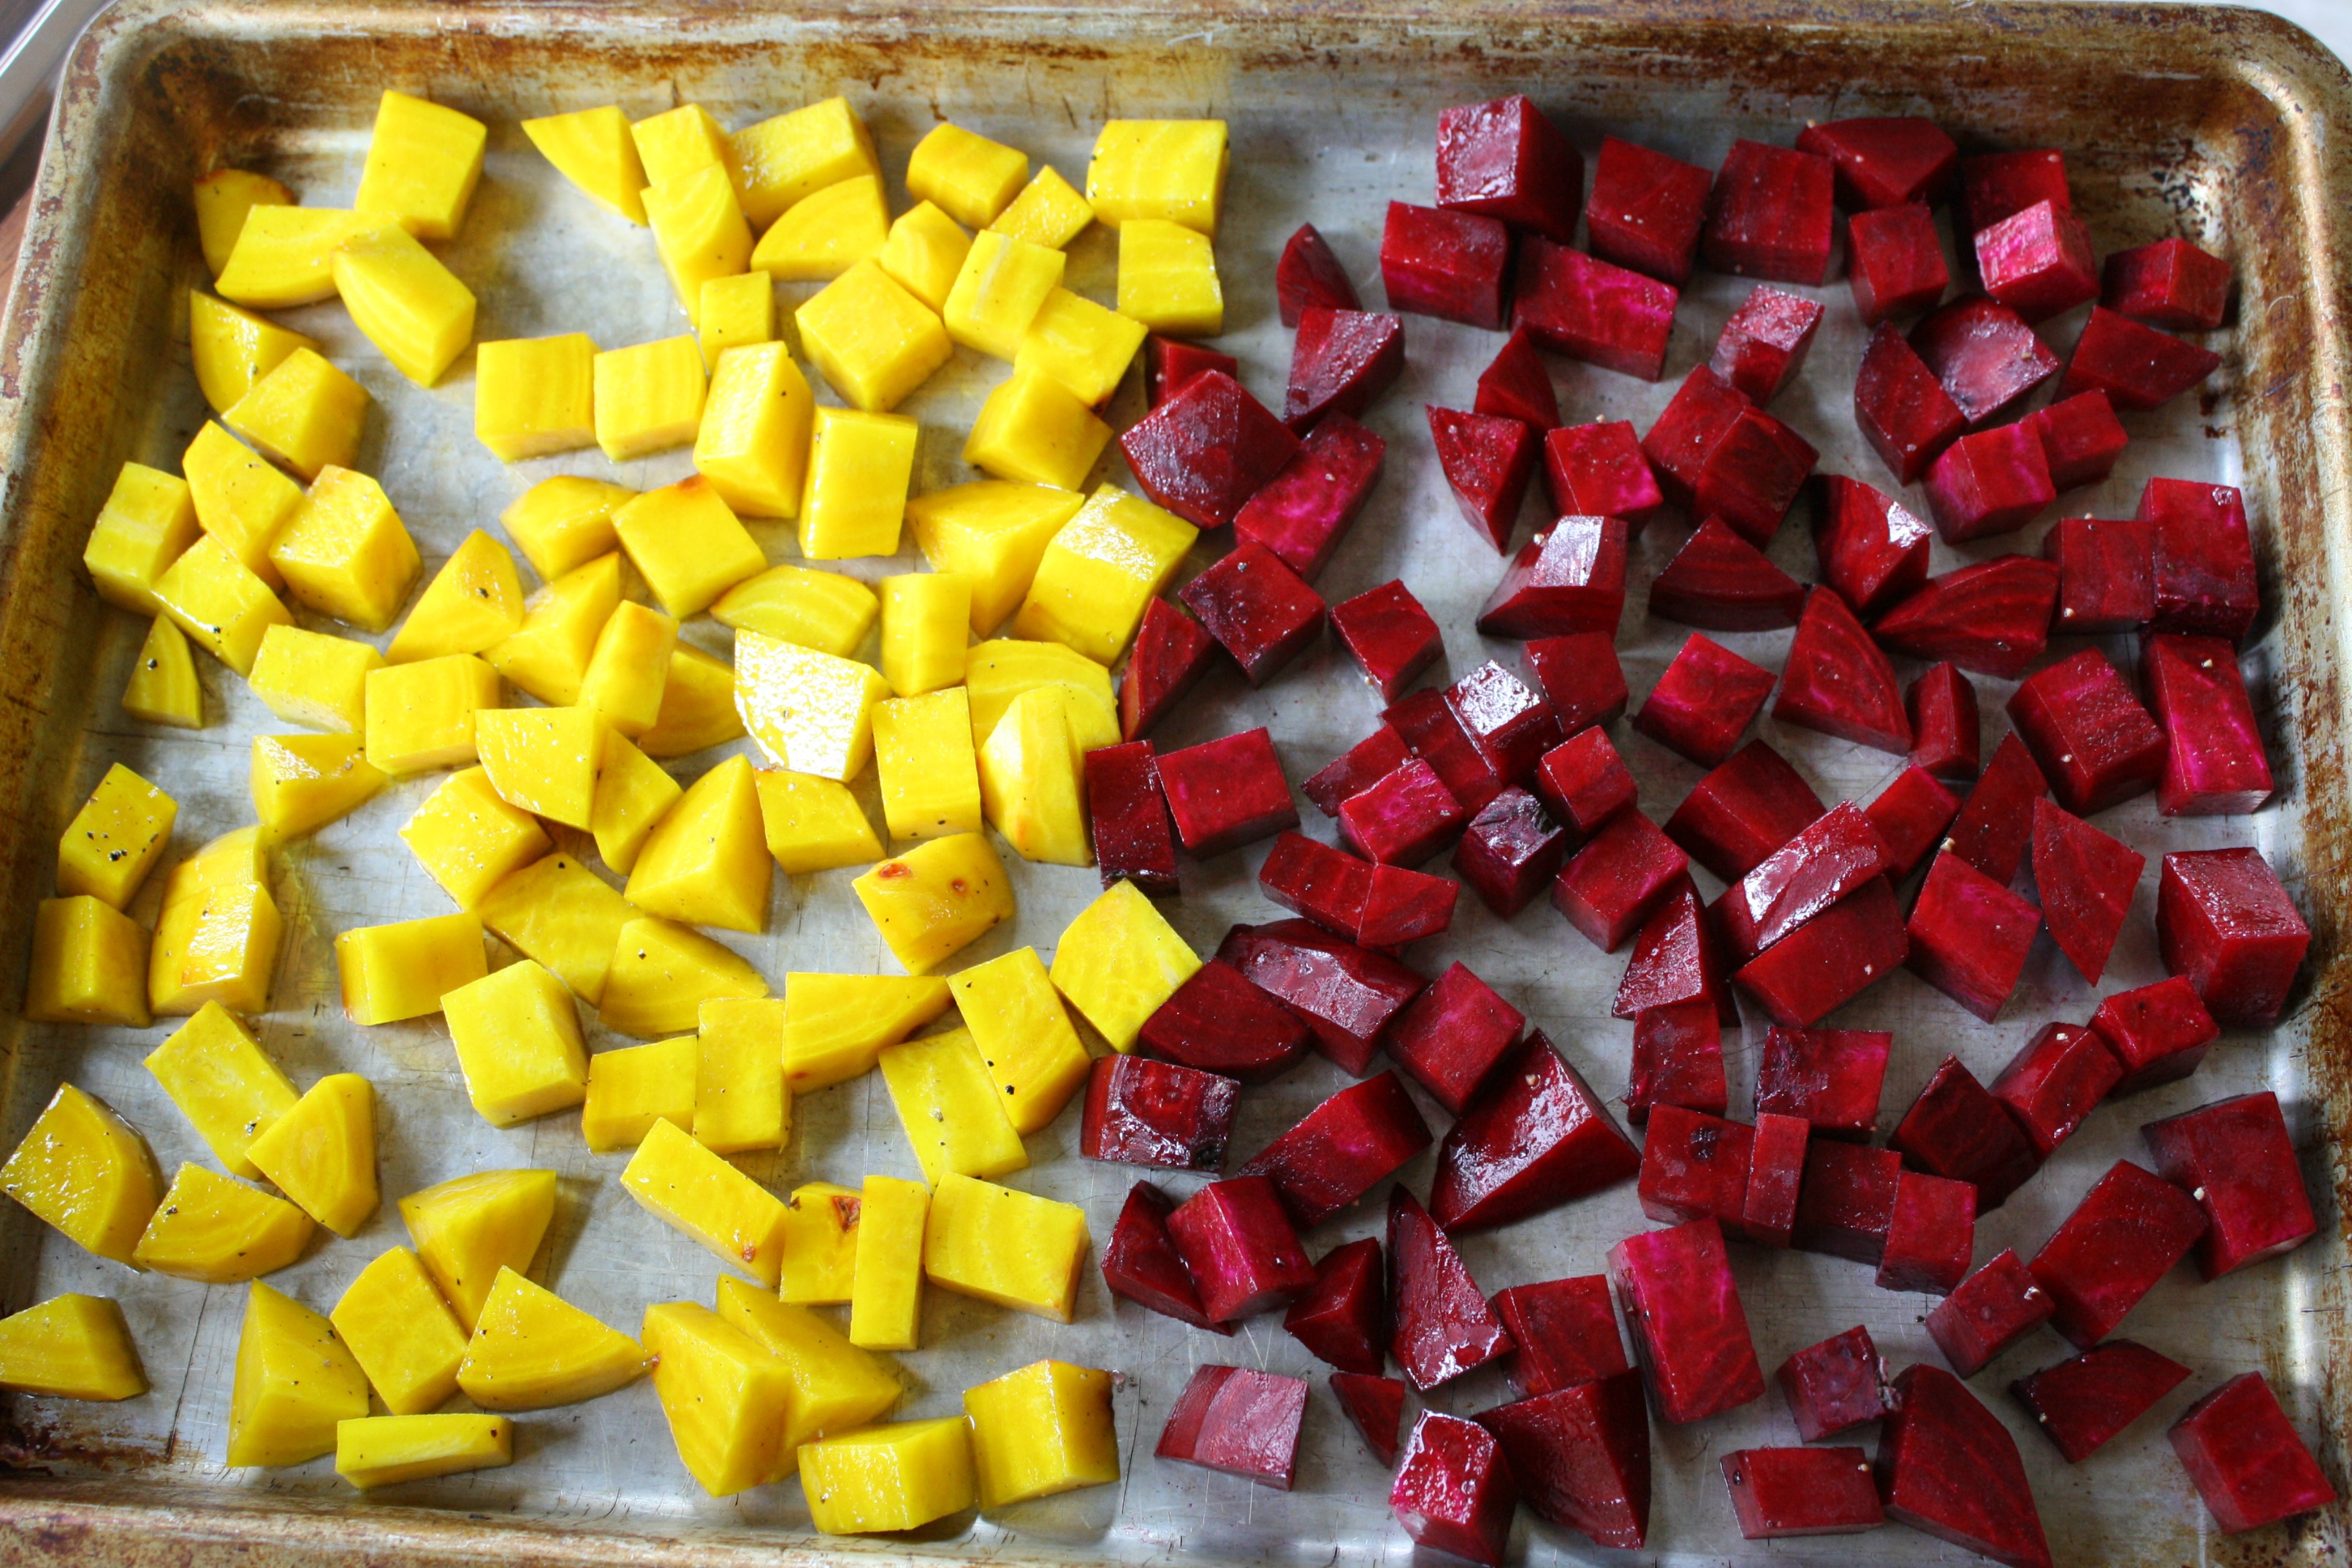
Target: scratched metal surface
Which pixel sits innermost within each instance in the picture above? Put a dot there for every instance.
(291, 92)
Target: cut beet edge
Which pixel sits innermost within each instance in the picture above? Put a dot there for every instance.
(1443, 1327)
(2249, 1463)
(2095, 742)
(1219, 1022)
(1947, 730)
(1306, 509)
(1339, 361)
(1582, 1454)
(1836, 1385)
(1719, 582)
(1955, 1129)
(1170, 655)
(1346, 994)
(1506, 159)
(1342, 1149)
(1309, 275)
(2129, 1231)
(1883, 162)
(1539, 1137)
(2159, 1033)
(1240, 1249)
(2085, 880)
(1676, 959)
(1357, 769)
(1840, 682)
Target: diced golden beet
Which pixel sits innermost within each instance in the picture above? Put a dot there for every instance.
(828, 611)
(242, 501)
(923, 252)
(1099, 571)
(401, 1333)
(593, 149)
(474, 602)
(285, 257)
(233, 348)
(1118, 962)
(190, 963)
(1168, 278)
(971, 178)
(549, 654)
(401, 971)
(516, 1032)
(1016, 1018)
(314, 680)
(535, 396)
(405, 301)
(783, 158)
(925, 617)
(628, 668)
(305, 414)
(543, 760)
(735, 312)
(346, 553)
(726, 1397)
(698, 705)
(302, 782)
(892, 1476)
(678, 142)
(116, 837)
(1083, 347)
(814, 824)
(885, 1294)
(923, 759)
(825, 233)
(468, 839)
(633, 793)
(1012, 1249)
(560, 914)
(1049, 211)
(1169, 169)
(148, 519)
(937, 898)
(632, 1088)
(1044, 1429)
(699, 231)
(420, 716)
(1035, 430)
(384, 1450)
(705, 862)
(837, 1387)
(295, 1382)
(687, 544)
(662, 973)
(820, 1245)
(217, 1231)
(858, 468)
(163, 688)
(70, 1347)
(532, 1350)
(469, 1230)
(872, 340)
(740, 1103)
(231, 1093)
(562, 523)
(836, 1025)
(752, 446)
(82, 1170)
(422, 165)
(991, 534)
(1002, 287)
(1033, 781)
(685, 1184)
(220, 604)
(88, 965)
(321, 1154)
(810, 712)
(648, 398)
(948, 1104)
(223, 198)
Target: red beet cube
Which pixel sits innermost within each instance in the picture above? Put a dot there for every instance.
(2171, 283)
(1770, 213)
(2250, 1464)
(1347, 995)
(2204, 560)
(2129, 1231)
(1402, 819)
(1309, 277)
(1831, 1078)
(1828, 859)
(1847, 1203)
(1132, 837)
(1599, 470)
(1518, 385)
(1753, 475)
(1984, 353)
(1948, 1467)
(1676, 959)
(1931, 1236)
(1505, 158)
(1764, 343)
(1569, 578)
(1143, 1112)
(1443, 1326)
(2085, 880)
(1678, 1060)
(1996, 185)
(1688, 429)
(1901, 410)
(2081, 1404)
(2081, 439)
(1776, 1174)
(1694, 1166)
(2038, 262)
(1539, 1137)
(1328, 886)
(2226, 925)
(2235, 1159)
(1609, 887)
(1239, 1247)
(1392, 638)
(2107, 572)
(1139, 1262)
(1453, 1490)
(1404, 906)
(2136, 367)
(1683, 1313)
(1342, 1149)
(2159, 1033)
(1646, 209)
(1958, 1130)
(1911, 815)
(1871, 549)
(1830, 961)
(1219, 1022)
(1839, 681)
(1257, 609)
(1995, 481)
(1836, 1385)
(1340, 361)
(1742, 811)
(1242, 1422)
(1780, 1492)
(1227, 793)
(1510, 852)
(1991, 1311)
(1991, 617)
(1895, 262)
(1720, 583)
(2213, 760)
(1582, 1454)
(1454, 1034)
(1170, 655)
(1566, 1332)
(1885, 161)
(1704, 702)
(1997, 823)
(1432, 733)
(1343, 1316)
(1581, 678)
(1168, 364)
(1307, 509)
(1358, 767)
(1376, 1405)
(1585, 782)
(1509, 725)
(1450, 265)
(1592, 310)
(1207, 449)
(2095, 742)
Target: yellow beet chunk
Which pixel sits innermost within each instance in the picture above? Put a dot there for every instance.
(148, 519)
(420, 716)
(295, 1382)
(88, 965)
(752, 446)
(886, 1296)
(705, 862)
(837, 1387)
(532, 1350)
(971, 178)
(810, 712)
(1082, 346)
(781, 160)
(1012, 1249)
(116, 837)
(1033, 782)
(516, 1032)
(534, 396)
(1035, 430)
(687, 544)
(214, 1072)
(384, 1450)
(1049, 211)
(991, 534)
(82, 1170)
(925, 615)
(924, 251)
(469, 1230)
(223, 198)
(70, 1347)
(826, 611)
(725, 1394)
(1172, 170)
(698, 705)
(1002, 287)
(302, 782)
(217, 937)
(403, 970)
(1099, 572)
(474, 602)
(233, 348)
(1168, 278)
(163, 688)
(422, 165)
(937, 898)
(820, 1245)
(661, 975)
(825, 233)
(699, 228)
(1044, 1429)
(923, 759)
(401, 1333)
(677, 141)
(405, 301)
(813, 824)
(549, 654)
(314, 680)
(305, 414)
(633, 794)
(321, 1154)
(561, 914)
(543, 760)
(468, 839)
(835, 1025)
(215, 1230)
(858, 468)
(872, 340)
(1118, 961)
(632, 1088)
(896, 1476)
(241, 501)
(682, 1183)
(346, 553)
(628, 668)
(562, 523)
(593, 149)
(740, 1102)
(1018, 1020)
(948, 1106)
(285, 257)
(735, 312)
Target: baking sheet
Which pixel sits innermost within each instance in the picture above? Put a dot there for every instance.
(1308, 145)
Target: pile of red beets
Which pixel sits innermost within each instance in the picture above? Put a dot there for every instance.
(1516, 775)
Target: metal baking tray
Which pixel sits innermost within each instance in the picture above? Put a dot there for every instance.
(2221, 124)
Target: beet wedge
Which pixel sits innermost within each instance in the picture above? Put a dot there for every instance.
(1342, 1149)
(2235, 1159)
(1718, 581)
(2129, 1231)
(1343, 1316)
(1376, 1405)
(1308, 275)
(1240, 1249)
(2080, 1405)
(1871, 548)
(1992, 1309)
(1947, 1468)
(1839, 681)
(1566, 1332)
(1171, 655)
(1829, 860)
(1339, 361)
(1443, 1326)
(1996, 823)
(1219, 1022)
(1207, 449)
(1582, 1455)
(2250, 1464)
(1537, 1139)
(1306, 509)
(2085, 879)
(1517, 385)
(1677, 958)
(1989, 618)
(1958, 1130)
(1829, 959)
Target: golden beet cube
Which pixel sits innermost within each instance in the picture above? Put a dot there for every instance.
(82, 1170)
(1002, 287)
(305, 414)
(686, 541)
(230, 1092)
(420, 716)
(1118, 961)
(560, 912)
(810, 712)
(593, 149)
(991, 534)
(1033, 780)
(241, 501)
(473, 603)
(633, 794)
(679, 1181)
(116, 837)
(678, 142)
(223, 198)
(937, 898)
(233, 348)
(628, 668)
(835, 1025)
(285, 257)
(217, 937)
(534, 1350)
(302, 782)
(828, 611)
(631, 1089)
(1012, 1248)
(1164, 169)
(321, 1154)
(1016, 1018)
(924, 761)
(411, 307)
(346, 553)
(724, 1393)
(1168, 278)
(814, 824)
(562, 523)
(422, 165)
(517, 1034)
(886, 1296)
(825, 233)
(896, 1476)
(386, 1451)
(735, 312)
(70, 1347)
(837, 1387)
(88, 965)
(547, 655)
(543, 760)
(662, 973)
(648, 398)
(971, 178)
(698, 227)
(705, 862)
(858, 468)
(923, 252)
(698, 705)
(469, 1230)
(872, 341)
(740, 1103)
(1049, 211)
(752, 446)
(295, 1382)
(948, 1104)
(1106, 564)
(1081, 345)
(820, 1245)
(1035, 430)
(535, 396)
(401, 1333)
(1044, 1429)
(148, 519)
(403, 970)
(163, 688)
(215, 1230)
(314, 680)
(781, 160)
(467, 838)
(925, 618)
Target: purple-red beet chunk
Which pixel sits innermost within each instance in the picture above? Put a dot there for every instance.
(2225, 924)
(1144, 1113)
(1240, 1249)
(1683, 1312)
(1779, 1492)
(2129, 1231)
(1991, 1311)
(1539, 1137)
(1957, 1129)
(1376, 1405)
(2250, 1464)
(1582, 1455)
(1133, 837)
(1170, 655)
(1453, 1035)
(1342, 1149)
(1343, 1316)
(1566, 1332)
(1829, 1078)
(1207, 449)
(2234, 1158)
(1304, 511)
(1450, 265)
(1219, 1022)
(1139, 1262)
(1970, 936)
(1453, 1490)
(1443, 1326)
(1227, 793)
(2079, 1405)
(1836, 1385)
(1391, 636)
(1948, 1467)
(1239, 1421)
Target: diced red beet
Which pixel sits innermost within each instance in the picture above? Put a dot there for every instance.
(1358, 767)
(1991, 617)
(2095, 742)
(1581, 678)
(1754, 475)
(1779, 1492)
(2079, 1405)
(1539, 1137)
(1742, 811)
(1996, 825)
(1133, 838)
(1404, 906)
(1704, 702)
(1996, 185)
(1677, 1060)
(1219, 1022)
(1227, 793)
(1517, 385)
(1830, 960)
(1392, 638)
(1585, 782)
(1168, 364)
(1509, 724)
(2085, 880)
(1694, 422)
(1582, 1455)
(1991, 1311)
(2107, 572)
(1957, 1129)
(2159, 1033)
(1454, 1034)
(1432, 733)
(1609, 887)
(2129, 1231)
(1901, 410)
(1645, 210)
(1510, 852)
(1144, 1113)
(2136, 366)
(1827, 860)
(1376, 1405)
(2250, 1464)
(1339, 361)
(1885, 161)
(1836, 1385)
(1342, 1149)
(2171, 283)
(1257, 609)
(1569, 578)
(1840, 682)
(2204, 561)
(1506, 159)
(2235, 1159)
(1240, 1249)
(2081, 439)
(1911, 815)
(1845, 1204)
(1239, 1421)
(1343, 1316)
(2213, 760)
(1831, 1078)
(1994, 481)
(2055, 1081)
(1443, 1326)
(2225, 924)
(1139, 1262)
(1947, 1468)
(1207, 449)
(1326, 885)
(2039, 262)
(1984, 353)
(1695, 1164)
(1776, 1173)
(1763, 346)
(1676, 959)
(1870, 547)
(1932, 1237)
(1720, 583)
(1592, 309)
(1566, 1332)
(1403, 818)
(1895, 262)
(1345, 994)
(1304, 511)
(1308, 276)
(1170, 655)
(1453, 1490)
(1683, 1313)
(1450, 265)
(1599, 470)
(1770, 213)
